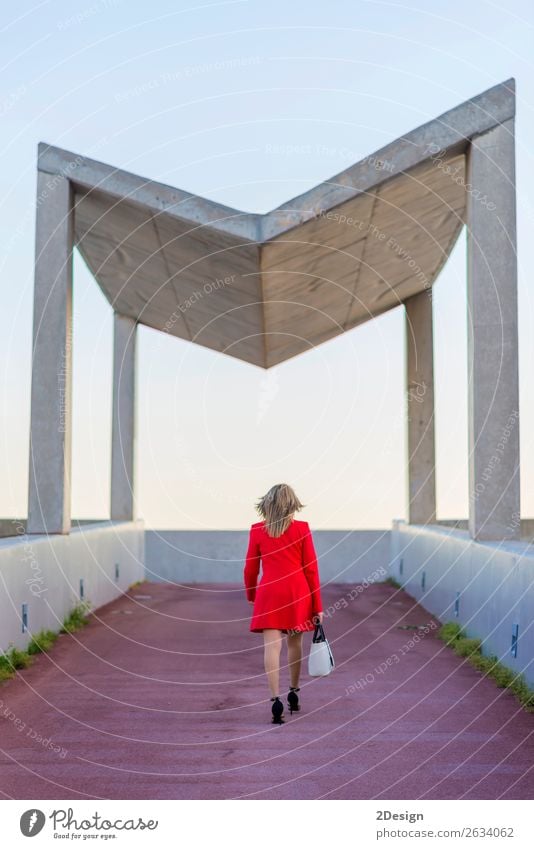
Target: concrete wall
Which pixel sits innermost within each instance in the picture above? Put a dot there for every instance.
(14, 527)
(213, 556)
(495, 582)
(526, 527)
(45, 573)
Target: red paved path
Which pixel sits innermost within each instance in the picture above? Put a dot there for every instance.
(153, 700)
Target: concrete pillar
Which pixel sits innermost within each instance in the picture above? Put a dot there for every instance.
(123, 424)
(51, 390)
(493, 405)
(420, 409)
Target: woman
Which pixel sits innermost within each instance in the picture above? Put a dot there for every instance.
(287, 599)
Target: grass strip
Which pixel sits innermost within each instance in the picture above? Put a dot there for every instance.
(470, 648)
(15, 658)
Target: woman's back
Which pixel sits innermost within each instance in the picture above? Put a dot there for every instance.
(288, 593)
(283, 553)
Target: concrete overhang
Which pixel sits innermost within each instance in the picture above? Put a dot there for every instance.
(264, 288)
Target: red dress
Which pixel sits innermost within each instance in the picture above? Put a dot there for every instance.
(288, 594)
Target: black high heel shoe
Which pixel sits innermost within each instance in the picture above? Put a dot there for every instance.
(293, 699)
(277, 709)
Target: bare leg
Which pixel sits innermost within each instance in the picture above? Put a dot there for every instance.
(272, 644)
(294, 658)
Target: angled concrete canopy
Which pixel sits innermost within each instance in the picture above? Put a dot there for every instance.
(264, 288)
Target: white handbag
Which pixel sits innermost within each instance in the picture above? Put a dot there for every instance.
(320, 659)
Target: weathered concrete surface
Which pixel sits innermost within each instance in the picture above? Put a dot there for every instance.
(51, 390)
(420, 408)
(123, 418)
(44, 572)
(264, 288)
(493, 379)
(492, 585)
(449, 131)
(218, 556)
(452, 129)
(163, 697)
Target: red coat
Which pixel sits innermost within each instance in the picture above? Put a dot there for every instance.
(288, 594)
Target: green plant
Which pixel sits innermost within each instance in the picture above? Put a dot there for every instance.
(392, 583)
(503, 676)
(523, 692)
(454, 636)
(450, 631)
(19, 659)
(465, 646)
(15, 658)
(77, 618)
(11, 660)
(483, 663)
(6, 667)
(42, 641)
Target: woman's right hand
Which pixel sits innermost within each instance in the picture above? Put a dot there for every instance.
(318, 617)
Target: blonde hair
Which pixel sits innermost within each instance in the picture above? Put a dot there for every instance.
(277, 507)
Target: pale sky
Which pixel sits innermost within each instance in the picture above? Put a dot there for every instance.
(250, 103)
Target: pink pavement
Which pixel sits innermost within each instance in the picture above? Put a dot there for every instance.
(165, 698)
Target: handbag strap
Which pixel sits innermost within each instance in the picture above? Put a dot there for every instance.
(318, 634)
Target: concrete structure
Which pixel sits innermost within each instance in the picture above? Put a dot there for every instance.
(51, 574)
(51, 395)
(421, 476)
(417, 721)
(265, 288)
(492, 336)
(194, 557)
(123, 424)
(487, 587)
